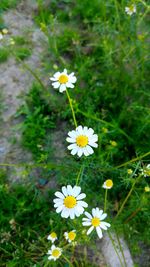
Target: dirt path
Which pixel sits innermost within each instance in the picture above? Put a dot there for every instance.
(14, 81)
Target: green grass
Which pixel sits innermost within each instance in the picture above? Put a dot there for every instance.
(24, 243)
(4, 54)
(21, 40)
(5, 4)
(22, 53)
(107, 50)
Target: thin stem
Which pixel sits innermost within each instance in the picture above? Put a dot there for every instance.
(132, 215)
(71, 106)
(79, 174)
(35, 75)
(133, 160)
(127, 197)
(114, 245)
(69, 262)
(117, 16)
(105, 202)
(118, 239)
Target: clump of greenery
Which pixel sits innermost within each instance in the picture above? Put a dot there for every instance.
(4, 54)
(5, 4)
(22, 53)
(21, 40)
(27, 218)
(107, 50)
(38, 119)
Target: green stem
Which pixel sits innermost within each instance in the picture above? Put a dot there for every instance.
(71, 106)
(69, 262)
(114, 245)
(105, 202)
(79, 174)
(127, 197)
(117, 12)
(133, 160)
(118, 239)
(132, 215)
(35, 75)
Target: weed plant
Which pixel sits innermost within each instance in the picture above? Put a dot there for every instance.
(108, 51)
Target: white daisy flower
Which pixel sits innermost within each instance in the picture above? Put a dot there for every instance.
(108, 184)
(52, 237)
(54, 252)
(82, 139)
(1, 36)
(62, 80)
(130, 9)
(70, 236)
(70, 202)
(95, 221)
(146, 170)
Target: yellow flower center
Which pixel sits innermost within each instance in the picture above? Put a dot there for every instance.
(105, 130)
(70, 202)
(131, 8)
(63, 78)
(82, 140)
(113, 143)
(109, 183)
(95, 221)
(129, 171)
(147, 189)
(53, 235)
(71, 235)
(147, 172)
(56, 253)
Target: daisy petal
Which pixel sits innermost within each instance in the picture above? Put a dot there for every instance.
(69, 85)
(76, 191)
(88, 215)
(90, 230)
(60, 208)
(81, 196)
(70, 140)
(62, 88)
(103, 216)
(56, 85)
(89, 149)
(59, 194)
(82, 203)
(72, 79)
(86, 223)
(64, 190)
(99, 232)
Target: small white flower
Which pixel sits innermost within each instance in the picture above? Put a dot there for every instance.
(130, 9)
(52, 237)
(70, 236)
(95, 221)
(82, 139)
(69, 202)
(62, 80)
(54, 252)
(1, 36)
(146, 171)
(108, 184)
